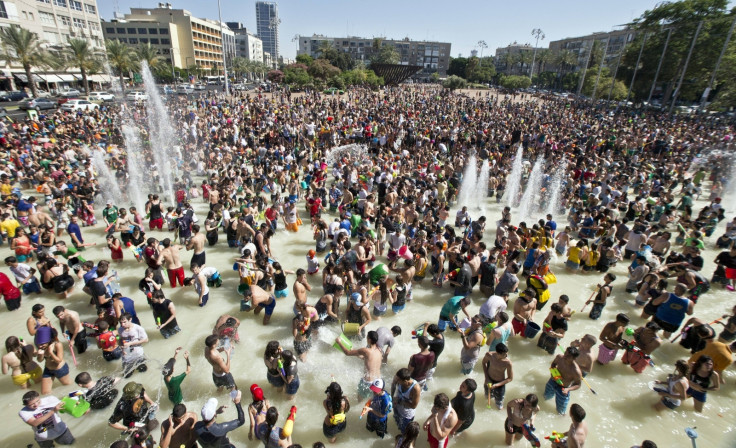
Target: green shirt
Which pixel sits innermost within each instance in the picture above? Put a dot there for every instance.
(110, 214)
(71, 252)
(174, 388)
(452, 307)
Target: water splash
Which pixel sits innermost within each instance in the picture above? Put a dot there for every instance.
(110, 190)
(352, 151)
(162, 135)
(483, 186)
(555, 189)
(529, 205)
(136, 164)
(513, 181)
(469, 193)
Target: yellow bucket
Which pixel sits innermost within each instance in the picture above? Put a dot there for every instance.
(350, 329)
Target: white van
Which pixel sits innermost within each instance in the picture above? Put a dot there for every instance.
(184, 89)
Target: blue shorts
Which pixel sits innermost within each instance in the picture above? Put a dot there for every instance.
(552, 389)
(32, 286)
(572, 265)
(58, 373)
(275, 381)
(398, 308)
(270, 306)
(444, 322)
(697, 396)
(281, 293)
(205, 298)
(293, 387)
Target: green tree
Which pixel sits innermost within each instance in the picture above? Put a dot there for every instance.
(515, 82)
(544, 57)
(296, 74)
(83, 56)
(276, 76)
(454, 82)
(524, 60)
(23, 47)
(322, 69)
(434, 77)
(457, 67)
(384, 53)
(149, 54)
(304, 59)
(239, 66)
(121, 57)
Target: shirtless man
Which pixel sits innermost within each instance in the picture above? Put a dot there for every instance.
(524, 308)
(498, 371)
(214, 197)
(440, 422)
(578, 432)
(178, 429)
(220, 368)
(520, 412)
(70, 323)
(169, 257)
(301, 286)
(611, 339)
(568, 380)
(407, 274)
(585, 360)
(196, 243)
(372, 357)
(259, 299)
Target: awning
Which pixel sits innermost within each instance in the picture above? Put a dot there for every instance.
(66, 77)
(104, 79)
(49, 78)
(23, 78)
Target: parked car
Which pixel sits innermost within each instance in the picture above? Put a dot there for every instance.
(75, 105)
(200, 86)
(166, 90)
(37, 104)
(184, 89)
(69, 93)
(136, 96)
(40, 93)
(334, 90)
(15, 95)
(100, 97)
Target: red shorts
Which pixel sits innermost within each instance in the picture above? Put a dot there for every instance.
(175, 274)
(434, 443)
(156, 224)
(518, 326)
(730, 273)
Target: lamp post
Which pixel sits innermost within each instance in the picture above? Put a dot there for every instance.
(718, 64)
(539, 34)
(222, 42)
(483, 45)
(684, 69)
(173, 75)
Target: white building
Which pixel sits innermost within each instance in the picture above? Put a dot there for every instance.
(247, 44)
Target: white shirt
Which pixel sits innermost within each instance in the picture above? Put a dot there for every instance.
(494, 305)
(50, 429)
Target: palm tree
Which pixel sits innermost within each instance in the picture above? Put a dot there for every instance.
(121, 57)
(565, 59)
(239, 66)
(150, 55)
(508, 60)
(82, 55)
(524, 58)
(543, 58)
(18, 45)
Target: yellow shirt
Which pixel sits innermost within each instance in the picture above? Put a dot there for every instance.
(574, 254)
(8, 226)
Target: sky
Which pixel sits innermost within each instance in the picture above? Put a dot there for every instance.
(462, 23)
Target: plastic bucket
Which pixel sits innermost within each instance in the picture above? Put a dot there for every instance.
(350, 329)
(531, 330)
(345, 341)
(405, 253)
(76, 408)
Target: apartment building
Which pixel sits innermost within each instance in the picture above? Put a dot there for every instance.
(612, 42)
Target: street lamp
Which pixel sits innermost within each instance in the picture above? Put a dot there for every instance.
(539, 34)
(483, 45)
(222, 42)
(173, 75)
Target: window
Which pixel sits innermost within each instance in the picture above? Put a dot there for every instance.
(165, 41)
(3, 12)
(65, 20)
(142, 30)
(133, 40)
(51, 37)
(123, 39)
(61, 3)
(79, 23)
(44, 1)
(25, 14)
(90, 9)
(152, 31)
(131, 30)
(143, 40)
(154, 41)
(110, 30)
(120, 30)
(30, 16)
(46, 17)
(163, 30)
(94, 25)
(75, 5)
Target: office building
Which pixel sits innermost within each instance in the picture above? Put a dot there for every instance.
(247, 44)
(54, 22)
(613, 42)
(267, 26)
(180, 38)
(432, 56)
(509, 59)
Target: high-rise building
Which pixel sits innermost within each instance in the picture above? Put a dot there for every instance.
(54, 22)
(247, 44)
(267, 26)
(180, 38)
(432, 56)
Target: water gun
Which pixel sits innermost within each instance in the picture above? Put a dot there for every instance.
(632, 346)
(556, 437)
(289, 425)
(556, 375)
(305, 326)
(366, 408)
(418, 332)
(490, 327)
(547, 327)
(280, 364)
(529, 435)
(88, 325)
(629, 331)
(158, 322)
(136, 252)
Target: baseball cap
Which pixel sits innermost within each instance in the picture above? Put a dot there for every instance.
(256, 392)
(132, 390)
(209, 410)
(357, 298)
(377, 386)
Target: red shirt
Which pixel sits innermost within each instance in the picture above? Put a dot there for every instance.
(8, 290)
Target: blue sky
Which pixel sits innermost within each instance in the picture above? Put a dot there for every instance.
(462, 23)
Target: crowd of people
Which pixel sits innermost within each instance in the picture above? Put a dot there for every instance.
(376, 175)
